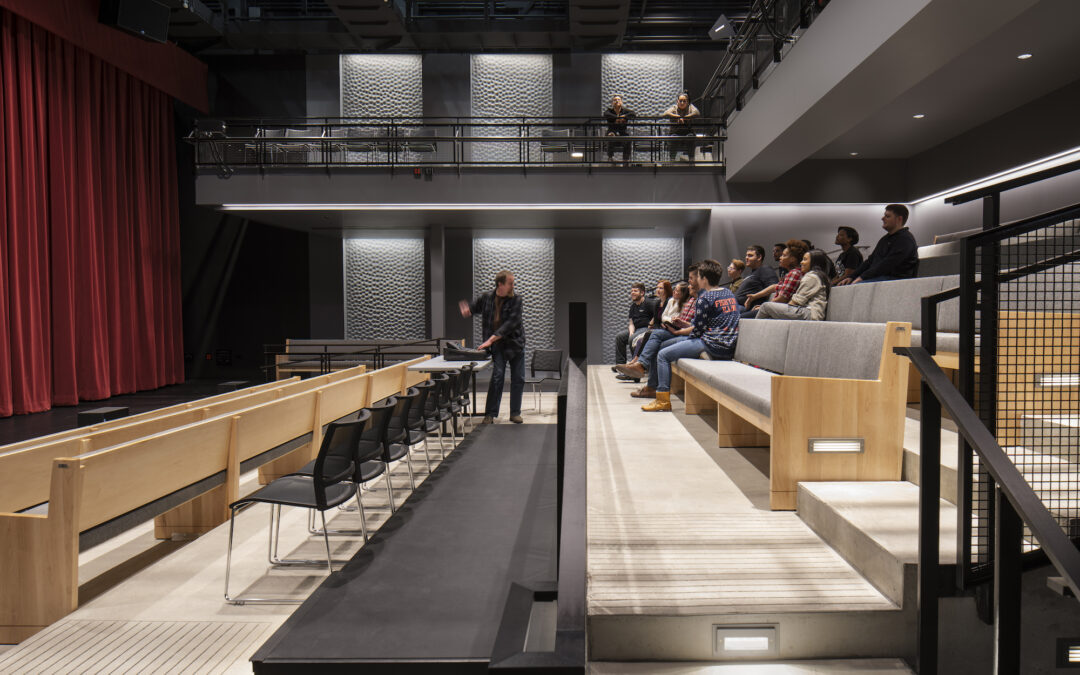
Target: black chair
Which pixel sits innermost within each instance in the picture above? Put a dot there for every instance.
(461, 401)
(548, 362)
(419, 426)
(447, 395)
(397, 445)
(329, 484)
(435, 412)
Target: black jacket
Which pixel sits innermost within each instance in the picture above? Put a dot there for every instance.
(510, 330)
(613, 127)
(762, 277)
(896, 255)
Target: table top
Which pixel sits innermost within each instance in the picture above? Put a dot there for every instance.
(439, 364)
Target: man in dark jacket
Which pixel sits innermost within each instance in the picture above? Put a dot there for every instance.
(757, 276)
(504, 335)
(896, 255)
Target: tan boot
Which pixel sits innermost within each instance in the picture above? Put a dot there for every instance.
(661, 404)
(644, 392)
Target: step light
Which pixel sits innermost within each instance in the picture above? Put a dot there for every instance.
(1068, 652)
(1059, 380)
(834, 445)
(745, 641)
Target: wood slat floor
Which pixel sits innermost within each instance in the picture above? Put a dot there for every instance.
(678, 527)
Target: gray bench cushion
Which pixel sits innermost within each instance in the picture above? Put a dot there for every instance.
(752, 386)
(948, 315)
(901, 300)
(946, 342)
(763, 343)
(827, 349)
(840, 303)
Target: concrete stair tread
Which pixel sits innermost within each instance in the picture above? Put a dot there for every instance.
(847, 666)
(874, 526)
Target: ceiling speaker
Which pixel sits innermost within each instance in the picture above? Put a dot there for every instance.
(147, 19)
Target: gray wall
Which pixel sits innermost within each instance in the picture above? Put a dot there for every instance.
(384, 278)
(628, 260)
(532, 260)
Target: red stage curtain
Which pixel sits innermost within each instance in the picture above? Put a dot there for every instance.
(89, 227)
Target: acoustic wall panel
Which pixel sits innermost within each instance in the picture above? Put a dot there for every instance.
(648, 83)
(381, 85)
(384, 289)
(628, 260)
(533, 263)
(508, 85)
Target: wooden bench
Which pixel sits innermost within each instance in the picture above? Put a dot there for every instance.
(305, 356)
(793, 381)
(29, 460)
(191, 471)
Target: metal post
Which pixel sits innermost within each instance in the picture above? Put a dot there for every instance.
(991, 211)
(1008, 575)
(929, 528)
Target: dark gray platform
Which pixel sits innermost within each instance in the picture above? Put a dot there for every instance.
(427, 593)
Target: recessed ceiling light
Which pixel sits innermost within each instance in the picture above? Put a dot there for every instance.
(918, 116)
(1024, 57)
(854, 154)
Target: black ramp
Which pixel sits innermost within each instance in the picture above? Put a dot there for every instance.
(428, 591)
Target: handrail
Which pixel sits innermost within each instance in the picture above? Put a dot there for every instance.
(1024, 226)
(1012, 183)
(571, 618)
(1053, 540)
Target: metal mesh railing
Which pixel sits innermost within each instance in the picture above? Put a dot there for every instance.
(1027, 372)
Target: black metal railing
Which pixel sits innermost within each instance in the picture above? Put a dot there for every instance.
(319, 358)
(323, 142)
(1017, 410)
(759, 43)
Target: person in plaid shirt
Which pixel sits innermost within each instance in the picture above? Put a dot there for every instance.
(666, 336)
(790, 260)
(716, 328)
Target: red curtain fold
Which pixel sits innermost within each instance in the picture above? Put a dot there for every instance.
(89, 227)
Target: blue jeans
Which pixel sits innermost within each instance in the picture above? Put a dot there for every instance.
(652, 345)
(498, 373)
(686, 349)
(654, 375)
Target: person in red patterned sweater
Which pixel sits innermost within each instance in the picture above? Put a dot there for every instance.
(790, 259)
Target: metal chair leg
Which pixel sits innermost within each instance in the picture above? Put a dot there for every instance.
(389, 490)
(408, 463)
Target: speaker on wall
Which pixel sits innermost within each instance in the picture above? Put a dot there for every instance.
(147, 19)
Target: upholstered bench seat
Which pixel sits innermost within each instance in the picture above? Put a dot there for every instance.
(748, 384)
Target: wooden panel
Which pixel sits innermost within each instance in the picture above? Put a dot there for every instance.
(39, 557)
(732, 431)
(344, 397)
(26, 474)
(198, 516)
(696, 401)
(269, 425)
(736, 406)
(127, 476)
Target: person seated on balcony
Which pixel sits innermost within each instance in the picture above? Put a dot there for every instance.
(617, 117)
(734, 270)
(785, 288)
(681, 115)
(810, 298)
(640, 314)
(759, 276)
(850, 257)
(896, 255)
(716, 327)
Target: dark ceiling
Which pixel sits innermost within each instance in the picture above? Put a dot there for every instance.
(223, 26)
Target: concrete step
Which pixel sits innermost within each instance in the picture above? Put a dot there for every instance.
(845, 666)
(950, 441)
(1057, 435)
(875, 527)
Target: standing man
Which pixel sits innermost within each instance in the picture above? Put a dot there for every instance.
(617, 117)
(760, 275)
(850, 257)
(640, 314)
(681, 115)
(504, 335)
(896, 255)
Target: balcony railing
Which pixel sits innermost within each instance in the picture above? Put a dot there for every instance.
(266, 144)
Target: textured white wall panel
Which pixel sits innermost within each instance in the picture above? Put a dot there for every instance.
(628, 260)
(533, 263)
(384, 289)
(648, 84)
(382, 85)
(508, 85)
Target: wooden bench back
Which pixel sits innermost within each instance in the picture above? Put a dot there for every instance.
(32, 462)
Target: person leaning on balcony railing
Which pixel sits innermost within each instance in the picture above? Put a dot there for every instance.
(681, 115)
(617, 117)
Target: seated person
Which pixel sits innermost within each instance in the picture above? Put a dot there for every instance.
(734, 270)
(785, 288)
(810, 298)
(759, 276)
(716, 327)
(640, 314)
(617, 116)
(850, 257)
(896, 255)
(681, 115)
(664, 310)
(673, 330)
